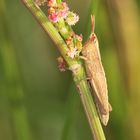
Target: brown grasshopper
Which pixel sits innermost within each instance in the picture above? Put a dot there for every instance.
(96, 75)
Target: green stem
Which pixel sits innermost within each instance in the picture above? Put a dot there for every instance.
(88, 104)
(78, 72)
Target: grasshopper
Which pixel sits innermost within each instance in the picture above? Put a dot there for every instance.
(96, 75)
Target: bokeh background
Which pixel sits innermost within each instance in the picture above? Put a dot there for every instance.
(37, 102)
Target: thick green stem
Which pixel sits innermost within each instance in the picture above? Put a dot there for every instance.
(76, 67)
(88, 104)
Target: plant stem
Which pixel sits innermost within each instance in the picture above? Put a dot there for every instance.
(78, 73)
(88, 104)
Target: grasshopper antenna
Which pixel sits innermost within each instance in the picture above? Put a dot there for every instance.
(92, 23)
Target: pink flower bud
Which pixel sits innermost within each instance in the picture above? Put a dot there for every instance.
(61, 64)
(54, 17)
(64, 10)
(51, 3)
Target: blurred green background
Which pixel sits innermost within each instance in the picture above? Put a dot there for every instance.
(37, 102)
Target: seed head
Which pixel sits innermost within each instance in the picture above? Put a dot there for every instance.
(72, 18)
